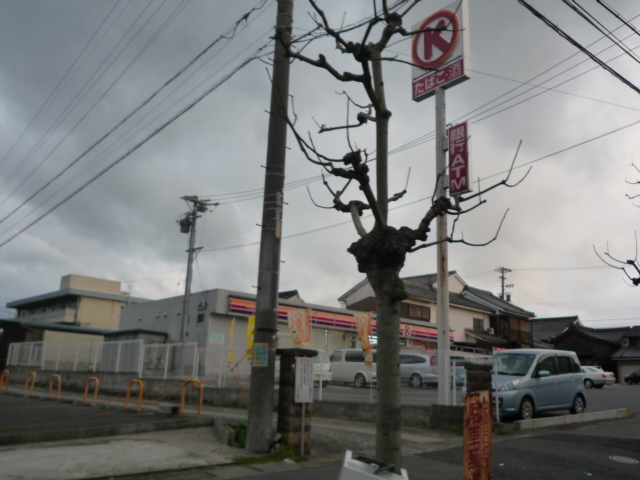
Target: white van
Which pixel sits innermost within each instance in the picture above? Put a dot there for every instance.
(321, 368)
(347, 366)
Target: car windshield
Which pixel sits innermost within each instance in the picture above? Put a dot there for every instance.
(512, 363)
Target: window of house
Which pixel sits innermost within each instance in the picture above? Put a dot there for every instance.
(478, 324)
(416, 311)
(200, 318)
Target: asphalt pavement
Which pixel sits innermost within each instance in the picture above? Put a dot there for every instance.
(605, 449)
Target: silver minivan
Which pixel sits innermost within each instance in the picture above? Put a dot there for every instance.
(347, 366)
(537, 380)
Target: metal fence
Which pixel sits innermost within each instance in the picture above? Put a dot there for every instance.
(178, 360)
(170, 360)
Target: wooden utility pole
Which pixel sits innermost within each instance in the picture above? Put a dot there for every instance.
(259, 428)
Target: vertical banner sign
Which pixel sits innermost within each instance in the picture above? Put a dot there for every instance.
(251, 330)
(439, 51)
(363, 325)
(231, 329)
(459, 167)
(304, 380)
(477, 436)
(300, 327)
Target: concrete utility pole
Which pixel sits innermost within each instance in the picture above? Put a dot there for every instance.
(188, 225)
(259, 427)
(503, 277)
(442, 313)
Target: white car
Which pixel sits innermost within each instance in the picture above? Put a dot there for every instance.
(321, 368)
(597, 377)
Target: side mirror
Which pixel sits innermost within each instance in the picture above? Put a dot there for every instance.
(543, 373)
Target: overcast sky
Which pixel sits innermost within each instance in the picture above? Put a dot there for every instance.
(70, 71)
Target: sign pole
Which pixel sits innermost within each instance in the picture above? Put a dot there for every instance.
(444, 393)
(304, 406)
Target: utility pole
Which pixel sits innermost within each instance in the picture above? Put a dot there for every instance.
(503, 277)
(187, 224)
(442, 313)
(259, 424)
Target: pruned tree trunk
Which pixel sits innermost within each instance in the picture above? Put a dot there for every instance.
(381, 254)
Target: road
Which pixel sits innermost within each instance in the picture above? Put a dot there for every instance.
(603, 450)
(607, 398)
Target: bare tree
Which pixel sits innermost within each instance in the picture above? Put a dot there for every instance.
(631, 267)
(380, 252)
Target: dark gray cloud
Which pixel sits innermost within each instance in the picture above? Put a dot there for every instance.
(123, 226)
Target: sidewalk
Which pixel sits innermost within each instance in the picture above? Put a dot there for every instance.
(173, 450)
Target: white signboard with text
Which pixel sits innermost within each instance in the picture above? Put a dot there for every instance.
(439, 55)
(304, 380)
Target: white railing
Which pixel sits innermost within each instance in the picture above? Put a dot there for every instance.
(123, 356)
(178, 360)
(171, 360)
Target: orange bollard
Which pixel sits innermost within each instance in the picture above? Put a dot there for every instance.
(2, 377)
(55, 377)
(192, 382)
(31, 377)
(95, 391)
(140, 394)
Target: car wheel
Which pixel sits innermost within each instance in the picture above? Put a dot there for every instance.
(415, 380)
(578, 405)
(600, 386)
(526, 409)
(360, 380)
(588, 383)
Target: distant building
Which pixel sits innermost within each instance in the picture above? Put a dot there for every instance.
(545, 328)
(83, 310)
(479, 321)
(82, 301)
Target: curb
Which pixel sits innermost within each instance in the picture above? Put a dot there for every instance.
(522, 425)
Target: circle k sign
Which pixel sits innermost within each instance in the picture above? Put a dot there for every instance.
(432, 47)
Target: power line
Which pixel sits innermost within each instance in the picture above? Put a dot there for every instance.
(133, 149)
(229, 34)
(55, 92)
(573, 42)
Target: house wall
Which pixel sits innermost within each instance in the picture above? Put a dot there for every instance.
(361, 293)
(625, 368)
(51, 337)
(460, 319)
(99, 313)
(90, 283)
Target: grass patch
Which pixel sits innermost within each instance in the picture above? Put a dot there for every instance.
(240, 432)
(277, 454)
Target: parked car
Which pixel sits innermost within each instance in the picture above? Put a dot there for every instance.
(596, 377)
(347, 366)
(633, 378)
(536, 380)
(321, 368)
(418, 369)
